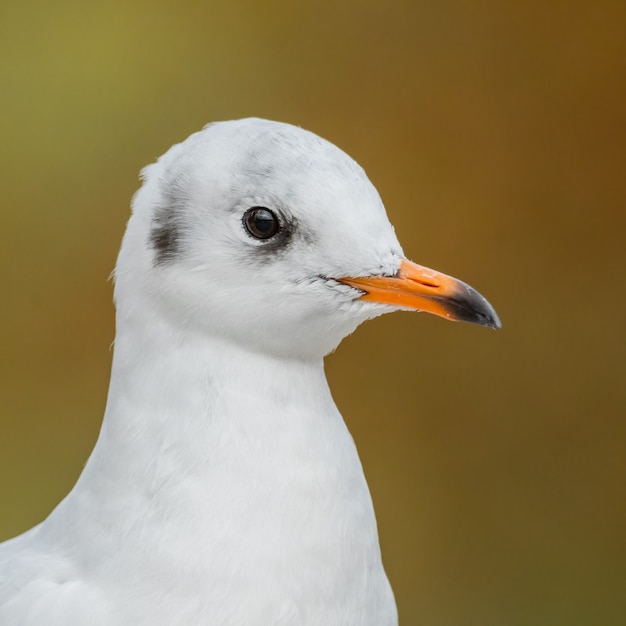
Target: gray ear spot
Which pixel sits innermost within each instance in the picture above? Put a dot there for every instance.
(168, 218)
(165, 235)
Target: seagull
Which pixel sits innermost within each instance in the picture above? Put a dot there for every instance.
(224, 488)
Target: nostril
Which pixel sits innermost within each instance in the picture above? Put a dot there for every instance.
(425, 283)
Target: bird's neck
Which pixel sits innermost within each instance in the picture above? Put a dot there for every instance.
(199, 425)
(244, 464)
(181, 402)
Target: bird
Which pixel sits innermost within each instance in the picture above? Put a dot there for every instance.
(224, 488)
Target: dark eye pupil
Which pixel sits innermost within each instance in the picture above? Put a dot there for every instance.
(260, 222)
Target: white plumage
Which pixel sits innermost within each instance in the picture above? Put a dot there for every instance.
(224, 488)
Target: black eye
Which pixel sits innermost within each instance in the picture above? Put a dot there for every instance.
(261, 223)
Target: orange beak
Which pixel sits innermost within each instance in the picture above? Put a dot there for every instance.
(419, 288)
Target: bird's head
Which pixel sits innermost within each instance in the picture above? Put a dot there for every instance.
(265, 234)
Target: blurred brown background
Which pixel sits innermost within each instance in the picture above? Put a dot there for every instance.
(496, 134)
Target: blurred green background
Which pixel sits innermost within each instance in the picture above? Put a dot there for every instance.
(496, 134)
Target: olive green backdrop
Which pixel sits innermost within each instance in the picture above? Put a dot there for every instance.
(496, 134)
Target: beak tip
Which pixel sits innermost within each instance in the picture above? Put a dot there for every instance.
(470, 306)
(493, 319)
(481, 319)
(495, 322)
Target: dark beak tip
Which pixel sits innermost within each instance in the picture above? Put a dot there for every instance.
(492, 318)
(486, 315)
(473, 307)
(481, 318)
(494, 322)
